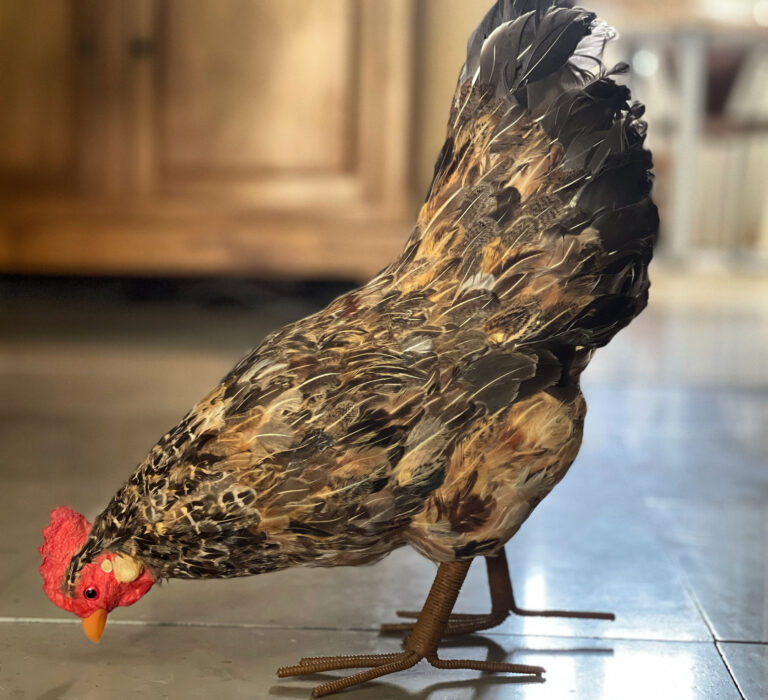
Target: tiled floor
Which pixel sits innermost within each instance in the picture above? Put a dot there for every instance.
(663, 520)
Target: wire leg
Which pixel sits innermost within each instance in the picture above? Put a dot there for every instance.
(502, 604)
(422, 643)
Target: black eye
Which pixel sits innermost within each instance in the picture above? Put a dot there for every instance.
(91, 593)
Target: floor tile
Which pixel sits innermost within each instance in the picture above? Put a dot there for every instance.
(86, 414)
(589, 545)
(651, 414)
(662, 520)
(723, 550)
(56, 661)
(706, 470)
(749, 665)
(671, 345)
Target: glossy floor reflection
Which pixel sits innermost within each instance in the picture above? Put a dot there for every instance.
(663, 519)
(193, 662)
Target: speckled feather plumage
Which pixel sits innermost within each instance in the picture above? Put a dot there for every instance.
(439, 404)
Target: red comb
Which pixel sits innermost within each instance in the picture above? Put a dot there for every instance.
(64, 536)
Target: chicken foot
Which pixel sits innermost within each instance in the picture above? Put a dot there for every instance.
(422, 643)
(502, 604)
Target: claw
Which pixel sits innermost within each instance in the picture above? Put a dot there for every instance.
(430, 626)
(384, 664)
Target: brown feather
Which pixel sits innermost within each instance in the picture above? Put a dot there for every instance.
(439, 404)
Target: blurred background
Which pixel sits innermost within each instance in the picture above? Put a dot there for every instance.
(180, 177)
(294, 139)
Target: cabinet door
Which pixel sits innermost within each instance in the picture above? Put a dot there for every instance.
(37, 88)
(236, 136)
(257, 91)
(293, 115)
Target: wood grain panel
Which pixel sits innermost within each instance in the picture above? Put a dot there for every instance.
(256, 84)
(236, 136)
(36, 79)
(181, 240)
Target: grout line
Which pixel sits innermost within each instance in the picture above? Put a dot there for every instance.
(658, 385)
(695, 599)
(309, 628)
(730, 670)
(689, 589)
(160, 623)
(646, 640)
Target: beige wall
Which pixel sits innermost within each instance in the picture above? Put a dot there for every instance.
(444, 27)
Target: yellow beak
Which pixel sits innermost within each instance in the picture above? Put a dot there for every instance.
(93, 625)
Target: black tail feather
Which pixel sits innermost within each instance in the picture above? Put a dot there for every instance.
(547, 56)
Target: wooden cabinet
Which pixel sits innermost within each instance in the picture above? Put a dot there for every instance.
(191, 136)
(37, 94)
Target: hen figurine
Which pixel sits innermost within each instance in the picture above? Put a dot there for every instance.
(435, 406)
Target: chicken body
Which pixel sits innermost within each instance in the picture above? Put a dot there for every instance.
(335, 443)
(439, 404)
